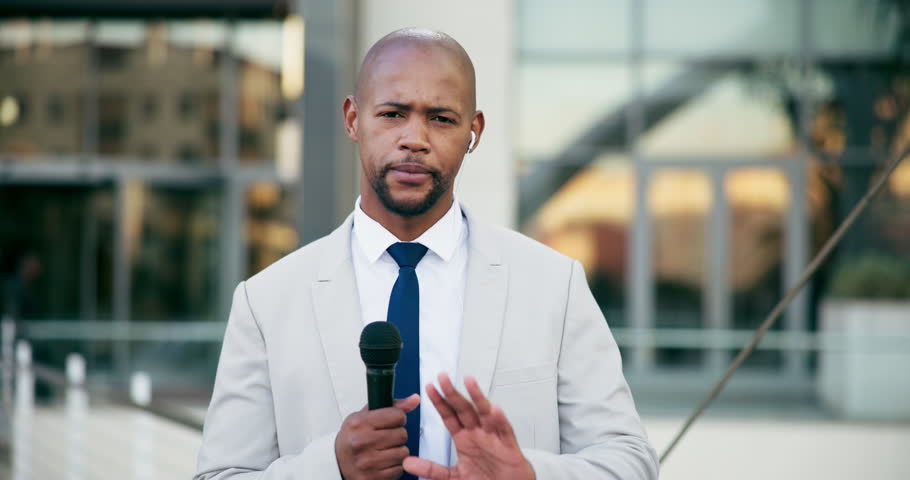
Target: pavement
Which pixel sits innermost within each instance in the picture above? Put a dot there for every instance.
(125, 443)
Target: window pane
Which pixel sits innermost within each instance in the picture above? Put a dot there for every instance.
(271, 232)
(722, 27)
(54, 251)
(859, 106)
(559, 103)
(694, 109)
(855, 27)
(39, 114)
(258, 46)
(679, 202)
(159, 90)
(574, 27)
(173, 246)
(759, 199)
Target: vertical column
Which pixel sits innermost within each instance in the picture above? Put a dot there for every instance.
(327, 183)
(8, 331)
(797, 241)
(90, 97)
(795, 260)
(641, 274)
(143, 433)
(121, 287)
(233, 253)
(88, 265)
(23, 413)
(76, 415)
(717, 256)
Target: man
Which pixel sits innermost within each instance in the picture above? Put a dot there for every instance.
(508, 318)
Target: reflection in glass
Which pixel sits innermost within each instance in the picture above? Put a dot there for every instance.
(39, 114)
(258, 46)
(706, 28)
(558, 103)
(49, 236)
(173, 244)
(732, 109)
(159, 88)
(855, 27)
(184, 367)
(758, 202)
(574, 27)
(679, 203)
(271, 233)
(55, 260)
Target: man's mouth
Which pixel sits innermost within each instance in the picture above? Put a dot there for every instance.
(409, 173)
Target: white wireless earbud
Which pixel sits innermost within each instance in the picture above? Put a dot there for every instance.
(471, 145)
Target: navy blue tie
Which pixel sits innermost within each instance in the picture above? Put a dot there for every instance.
(404, 312)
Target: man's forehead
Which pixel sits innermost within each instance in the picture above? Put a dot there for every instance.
(420, 60)
(407, 80)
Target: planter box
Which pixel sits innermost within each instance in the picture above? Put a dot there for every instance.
(864, 366)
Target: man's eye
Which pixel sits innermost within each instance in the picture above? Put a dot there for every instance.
(440, 118)
(391, 115)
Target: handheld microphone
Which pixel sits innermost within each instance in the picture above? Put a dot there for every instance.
(380, 347)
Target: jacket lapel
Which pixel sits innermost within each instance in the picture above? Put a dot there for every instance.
(338, 319)
(484, 306)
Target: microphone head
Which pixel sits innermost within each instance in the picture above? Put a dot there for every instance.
(380, 344)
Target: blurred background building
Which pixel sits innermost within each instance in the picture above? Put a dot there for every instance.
(692, 155)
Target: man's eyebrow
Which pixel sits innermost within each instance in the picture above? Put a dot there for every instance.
(408, 108)
(399, 106)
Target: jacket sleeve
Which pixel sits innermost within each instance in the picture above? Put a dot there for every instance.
(239, 438)
(601, 435)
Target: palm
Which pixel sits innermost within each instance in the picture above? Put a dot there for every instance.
(485, 455)
(486, 445)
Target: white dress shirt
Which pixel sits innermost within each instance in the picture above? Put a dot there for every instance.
(441, 275)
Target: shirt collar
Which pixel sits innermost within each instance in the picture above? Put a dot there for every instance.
(442, 238)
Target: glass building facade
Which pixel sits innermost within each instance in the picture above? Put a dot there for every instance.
(694, 155)
(146, 166)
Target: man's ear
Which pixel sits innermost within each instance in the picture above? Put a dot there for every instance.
(477, 124)
(349, 109)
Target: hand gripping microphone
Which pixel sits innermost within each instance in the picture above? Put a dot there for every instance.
(380, 347)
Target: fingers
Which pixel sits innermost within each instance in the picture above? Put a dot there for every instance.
(424, 468)
(465, 411)
(480, 400)
(389, 438)
(449, 418)
(409, 403)
(390, 417)
(382, 459)
(501, 425)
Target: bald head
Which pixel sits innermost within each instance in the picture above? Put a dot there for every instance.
(429, 42)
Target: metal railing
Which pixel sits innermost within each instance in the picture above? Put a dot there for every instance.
(19, 385)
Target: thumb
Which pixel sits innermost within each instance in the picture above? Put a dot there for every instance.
(409, 403)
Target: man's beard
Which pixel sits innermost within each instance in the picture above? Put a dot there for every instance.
(408, 209)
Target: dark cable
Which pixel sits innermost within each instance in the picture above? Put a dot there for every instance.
(820, 258)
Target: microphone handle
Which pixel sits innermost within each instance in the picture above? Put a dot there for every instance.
(380, 385)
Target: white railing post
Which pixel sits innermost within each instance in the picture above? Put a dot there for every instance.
(8, 333)
(76, 414)
(143, 451)
(23, 408)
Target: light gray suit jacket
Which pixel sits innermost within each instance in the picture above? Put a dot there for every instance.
(533, 336)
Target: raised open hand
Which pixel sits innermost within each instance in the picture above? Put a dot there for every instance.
(486, 445)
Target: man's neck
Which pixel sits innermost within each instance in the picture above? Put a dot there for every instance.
(405, 228)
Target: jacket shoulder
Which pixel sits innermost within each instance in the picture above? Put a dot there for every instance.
(299, 267)
(523, 252)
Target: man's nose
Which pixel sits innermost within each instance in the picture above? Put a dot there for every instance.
(414, 137)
